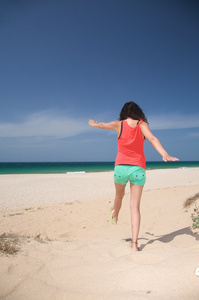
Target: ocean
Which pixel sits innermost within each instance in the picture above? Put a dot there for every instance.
(80, 167)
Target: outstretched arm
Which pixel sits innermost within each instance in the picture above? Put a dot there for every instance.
(156, 143)
(111, 125)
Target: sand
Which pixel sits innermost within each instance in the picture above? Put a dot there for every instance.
(70, 250)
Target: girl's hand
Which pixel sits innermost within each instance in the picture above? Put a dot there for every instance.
(92, 123)
(167, 157)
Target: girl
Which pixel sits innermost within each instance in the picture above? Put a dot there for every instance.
(132, 130)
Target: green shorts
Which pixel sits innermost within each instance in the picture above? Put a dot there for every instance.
(125, 173)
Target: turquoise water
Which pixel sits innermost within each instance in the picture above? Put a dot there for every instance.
(80, 167)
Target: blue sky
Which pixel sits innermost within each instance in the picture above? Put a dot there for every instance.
(63, 62)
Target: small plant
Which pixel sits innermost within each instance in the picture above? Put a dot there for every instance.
(9, 243)
(191, 200)
(195, 214)
(39, 239)
(195, 218)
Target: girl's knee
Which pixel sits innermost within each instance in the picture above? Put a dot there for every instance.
(135, 206)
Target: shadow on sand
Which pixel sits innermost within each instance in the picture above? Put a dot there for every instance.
(167, 238)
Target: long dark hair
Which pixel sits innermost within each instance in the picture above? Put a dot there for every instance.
(133, 111)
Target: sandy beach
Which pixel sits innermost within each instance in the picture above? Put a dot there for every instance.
(68, 248)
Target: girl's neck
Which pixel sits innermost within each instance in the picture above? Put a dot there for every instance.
(132, 119)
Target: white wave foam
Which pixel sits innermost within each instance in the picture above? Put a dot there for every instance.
(78, 172)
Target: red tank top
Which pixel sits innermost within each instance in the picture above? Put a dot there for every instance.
(131, 146)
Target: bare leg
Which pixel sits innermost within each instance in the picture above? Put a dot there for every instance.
(119, 194)
(136, 193)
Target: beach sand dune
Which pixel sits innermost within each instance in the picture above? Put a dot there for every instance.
(70, 250)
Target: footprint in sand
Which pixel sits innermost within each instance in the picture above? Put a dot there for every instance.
(140, 257)
(147, 258)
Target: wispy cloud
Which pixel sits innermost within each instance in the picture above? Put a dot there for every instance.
(50, 124)
(44, 124)
(194, 134)
(173, 121)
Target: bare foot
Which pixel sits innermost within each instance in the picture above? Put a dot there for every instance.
(114, 218)
(134, 246)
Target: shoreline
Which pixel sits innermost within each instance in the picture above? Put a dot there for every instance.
(106, 171)
(82, 167)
